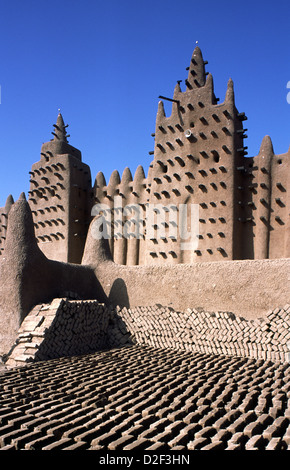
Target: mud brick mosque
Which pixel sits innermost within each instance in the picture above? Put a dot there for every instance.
(118, 334)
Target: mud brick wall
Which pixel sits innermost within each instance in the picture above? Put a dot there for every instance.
(74, 327)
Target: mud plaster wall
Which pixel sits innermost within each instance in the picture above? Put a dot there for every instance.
(67, 328)
(248, 288)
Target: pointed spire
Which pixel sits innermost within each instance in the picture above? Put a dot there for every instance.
(139, 174)
(113, 183)
(209, 81)
(210, 88)
(9, 203)
(266, 147)
(59, 144)
(265, 156)
(60, 129)
(125, 181)
(114, 178)
(160, 111)
(230, 95)
(196, 74)
(139, 178)
(99, 185)
(22, 197)
(100, 180)
(126, 176)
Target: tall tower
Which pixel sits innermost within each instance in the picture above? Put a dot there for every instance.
(197, 161)
(60, 198)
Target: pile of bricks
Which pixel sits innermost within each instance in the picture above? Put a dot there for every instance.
(211, 332)
(61, 328)
(71, 327)
(146, 399)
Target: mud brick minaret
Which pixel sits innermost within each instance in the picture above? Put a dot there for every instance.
(200, 159)
(198, 150)
(60, 197)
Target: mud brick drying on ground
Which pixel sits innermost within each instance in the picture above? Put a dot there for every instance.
(145, 398)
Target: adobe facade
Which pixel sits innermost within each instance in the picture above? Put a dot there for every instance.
(241, 203)
(200, 159)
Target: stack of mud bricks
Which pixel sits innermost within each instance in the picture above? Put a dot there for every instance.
(70, 327)
(211, 332)
(62, 328)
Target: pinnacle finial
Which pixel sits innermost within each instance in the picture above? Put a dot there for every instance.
(160, 110)
(266, 146)
(177, 90)
(230, 95)
(60, 129)
(9, 203)
(196, 74)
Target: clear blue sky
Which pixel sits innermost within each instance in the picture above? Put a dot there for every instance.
(104, 64)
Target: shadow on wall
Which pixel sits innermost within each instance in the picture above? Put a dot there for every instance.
(118, 294)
